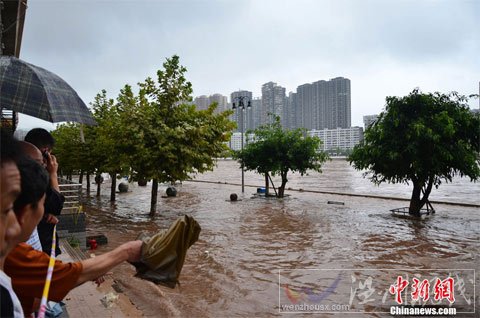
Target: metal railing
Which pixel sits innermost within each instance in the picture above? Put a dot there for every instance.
(71, 192)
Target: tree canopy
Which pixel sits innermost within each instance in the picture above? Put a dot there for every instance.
(153, 134)
(68, 148)
(276, 151)
(171, 137)
(423, 138)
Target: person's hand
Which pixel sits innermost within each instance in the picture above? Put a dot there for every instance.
(52, 164)
(51, 219)
(134, 250)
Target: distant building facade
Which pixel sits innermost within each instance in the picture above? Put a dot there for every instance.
(321, 105)
(273, 102)
(314, 106)
(341, 138)
(289, 118)
(203, 102)
(256, 113)
(236, 140)
(222, 102)
(242, 116)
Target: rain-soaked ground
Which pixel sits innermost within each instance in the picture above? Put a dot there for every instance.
(262, 257)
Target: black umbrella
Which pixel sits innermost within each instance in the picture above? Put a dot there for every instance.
(34, 91)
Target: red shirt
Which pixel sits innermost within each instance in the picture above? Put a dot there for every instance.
(28, 270)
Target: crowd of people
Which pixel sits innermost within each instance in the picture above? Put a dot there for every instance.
(30, 202)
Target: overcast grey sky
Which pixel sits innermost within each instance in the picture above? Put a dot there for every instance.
(384, 47)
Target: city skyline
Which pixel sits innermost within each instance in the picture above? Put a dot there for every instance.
(319, 105)
(385, 49)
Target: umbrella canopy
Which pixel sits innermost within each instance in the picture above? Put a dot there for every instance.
(34, 91)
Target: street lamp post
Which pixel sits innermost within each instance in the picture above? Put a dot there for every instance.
(241, 106)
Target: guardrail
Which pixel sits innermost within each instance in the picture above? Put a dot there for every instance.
(71, 192)
(72, 221)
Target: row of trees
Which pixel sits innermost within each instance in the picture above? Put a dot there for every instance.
(422, 138)
(152, 134)
(155, 134)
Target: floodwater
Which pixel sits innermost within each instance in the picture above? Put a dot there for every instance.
(256, 255)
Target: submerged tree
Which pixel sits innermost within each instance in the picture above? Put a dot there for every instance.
(74, 150)
(168, 137)
(424, 139)
(107, 149)
(277, 151)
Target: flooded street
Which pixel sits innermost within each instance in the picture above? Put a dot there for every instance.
(247, 246)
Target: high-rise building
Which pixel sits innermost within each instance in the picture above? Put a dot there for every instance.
(222, 102)
(203, 102)
(289, 113)
(273, 102)
(323, 104)
(256, 112)
(339, 103)
(305, 106)
(242, 114)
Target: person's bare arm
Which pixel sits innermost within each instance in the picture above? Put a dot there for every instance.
(99, 265)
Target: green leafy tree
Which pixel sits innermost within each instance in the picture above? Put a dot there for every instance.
(68, 148)
(169, 138)
(88, 160)
(107, 148)
(74, 152)
(276, 151)
(423, 139)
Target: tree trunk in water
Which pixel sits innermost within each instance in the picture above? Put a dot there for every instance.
(98, 187)
(80, 177)
(427, 190)
(88, 184)
(419, 188)
(281, 190)
(267, 183)
(114, 185)
(153, 203)
(415, 201)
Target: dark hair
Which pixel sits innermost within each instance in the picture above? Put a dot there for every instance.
(34, 183)
(40, 138)
(10, 147)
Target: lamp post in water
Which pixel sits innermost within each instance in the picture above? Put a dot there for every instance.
(241, 106)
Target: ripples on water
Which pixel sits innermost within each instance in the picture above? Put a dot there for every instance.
(233, 269)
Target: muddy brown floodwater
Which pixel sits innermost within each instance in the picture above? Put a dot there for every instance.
(323, 254)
